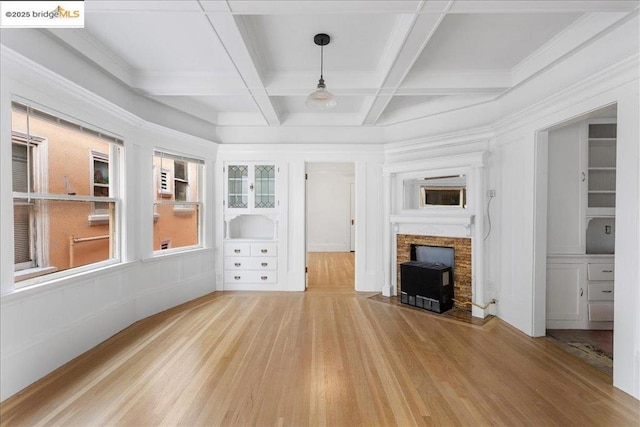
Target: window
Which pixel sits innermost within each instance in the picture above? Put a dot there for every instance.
(22, 173)
(181, 184)
(177, 207)
(52, 197)
(99, 187)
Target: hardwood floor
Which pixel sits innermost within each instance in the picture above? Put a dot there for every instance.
(319, 358)
(331, 271)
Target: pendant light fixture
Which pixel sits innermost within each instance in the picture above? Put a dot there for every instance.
(321, 98)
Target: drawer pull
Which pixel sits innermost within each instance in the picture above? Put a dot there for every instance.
(236, 277)
(607, 271)
(264, 264)
(237, 251)
(607, 292)
(264, 251)
(237, 264)
(264, 277)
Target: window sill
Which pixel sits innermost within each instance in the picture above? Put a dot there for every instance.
(30, 273)
(98, 219)
(181, 251)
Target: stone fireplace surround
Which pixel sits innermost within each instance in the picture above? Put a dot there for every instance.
(462, 255)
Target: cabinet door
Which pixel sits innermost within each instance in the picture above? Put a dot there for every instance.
(237, 186)
(251, 188)
(566, 191)
(264, 186)
(566, 291)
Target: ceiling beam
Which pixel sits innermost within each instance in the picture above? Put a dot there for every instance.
(227, 29)
(418, 34)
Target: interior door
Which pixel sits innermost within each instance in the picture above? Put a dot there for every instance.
(352, 210)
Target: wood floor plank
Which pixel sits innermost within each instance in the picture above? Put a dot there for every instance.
(256, 358)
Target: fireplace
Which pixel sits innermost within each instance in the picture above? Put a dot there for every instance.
(457, 251)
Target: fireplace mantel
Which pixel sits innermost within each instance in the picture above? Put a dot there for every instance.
(435, 218)
(435, 224)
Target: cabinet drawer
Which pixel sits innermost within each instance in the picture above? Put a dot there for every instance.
(600, 291)
(600, 272)
(249, 276)
(264, 249)
(601, 312)
(236, 263)
(250, 263)
(237, 249)
(263, 263)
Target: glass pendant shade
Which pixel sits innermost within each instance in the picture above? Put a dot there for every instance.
(321, 99)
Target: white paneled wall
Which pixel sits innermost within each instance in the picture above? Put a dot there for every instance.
(44, 326)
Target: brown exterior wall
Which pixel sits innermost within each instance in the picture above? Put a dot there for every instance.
(462, 256)
(66, 154)
(69, 154)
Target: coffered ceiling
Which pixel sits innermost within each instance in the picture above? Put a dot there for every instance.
(252, 63)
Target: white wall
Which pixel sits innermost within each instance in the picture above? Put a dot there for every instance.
(600, 74)
(329, 206)
(45, 326)
(369, 215)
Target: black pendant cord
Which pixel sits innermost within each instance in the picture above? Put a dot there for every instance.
(321, 61)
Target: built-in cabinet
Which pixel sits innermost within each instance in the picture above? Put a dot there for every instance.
(251, 219)
(581, 225)
(580, 292)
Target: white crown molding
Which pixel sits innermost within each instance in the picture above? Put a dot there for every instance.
(96, 51)
(604, 80)
(584, 28)
(442, 105)
(69, 87)
(466, 137)
(10, 57)
(464, 160)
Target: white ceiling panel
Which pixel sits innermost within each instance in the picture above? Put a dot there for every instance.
(489, 41)
(295, 104)
(253, 62)
(285, 42)
(161, 41)
(222, 104)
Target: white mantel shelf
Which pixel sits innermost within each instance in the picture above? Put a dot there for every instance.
(434, 219)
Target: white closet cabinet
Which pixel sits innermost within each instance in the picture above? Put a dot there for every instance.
(566, 295)
(251, 187)
(580, 225)
(567, 191)
(251, 216)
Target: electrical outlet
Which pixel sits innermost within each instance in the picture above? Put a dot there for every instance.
(491, 193)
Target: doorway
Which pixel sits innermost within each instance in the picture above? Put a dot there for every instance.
(580, 161)
(330, 223)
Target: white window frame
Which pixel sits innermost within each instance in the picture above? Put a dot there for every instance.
(183, 180)
(43, 271)
(181, 208)
(98, 216)
(39, 222)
